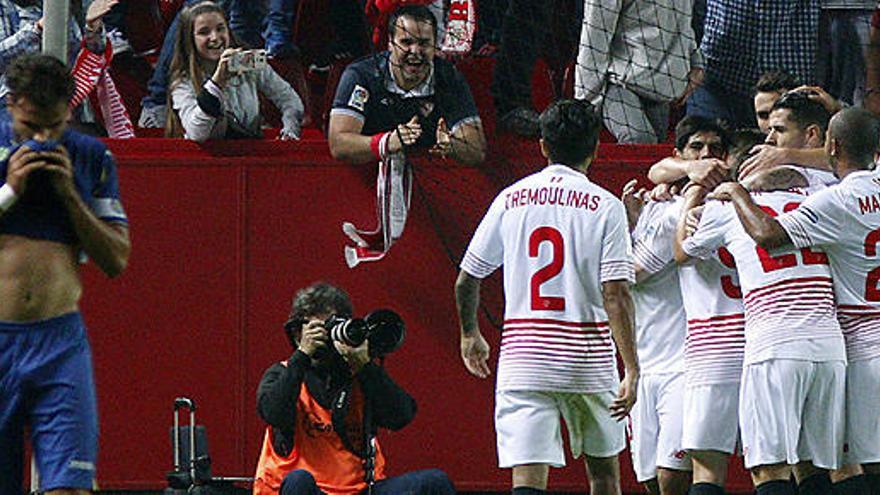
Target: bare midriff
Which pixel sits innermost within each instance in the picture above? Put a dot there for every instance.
(39, 279)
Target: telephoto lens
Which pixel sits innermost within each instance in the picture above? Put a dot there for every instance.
(386, 332)
(349, 331)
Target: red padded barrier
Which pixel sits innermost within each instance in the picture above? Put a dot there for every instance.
(223, 234)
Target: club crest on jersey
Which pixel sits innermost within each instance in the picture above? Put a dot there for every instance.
(4, 154)
(426, 108)
(359, 97)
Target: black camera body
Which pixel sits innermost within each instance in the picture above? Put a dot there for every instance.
(383, 328)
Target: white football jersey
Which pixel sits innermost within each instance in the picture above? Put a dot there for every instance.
(712, 301)
(559, 237)
(660, 320)
(788, 297)
(844, 220)
(817, 179)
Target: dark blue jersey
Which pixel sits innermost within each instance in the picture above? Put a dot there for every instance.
(367, 92)
(39, 213)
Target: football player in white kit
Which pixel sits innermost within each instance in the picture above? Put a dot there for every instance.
(792, 390)
(565, 248)
(714, 352)
(844, 221)
(655, 436)
(798, 121)
(659, 459)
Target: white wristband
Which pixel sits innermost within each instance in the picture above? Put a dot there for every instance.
(7, 197)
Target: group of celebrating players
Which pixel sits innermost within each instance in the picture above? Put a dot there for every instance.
(744, 301)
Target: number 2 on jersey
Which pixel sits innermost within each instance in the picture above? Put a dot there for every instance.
(539, 236)
(872, 292)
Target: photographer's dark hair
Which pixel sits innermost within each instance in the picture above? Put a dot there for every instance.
(692, 124)
(776, 81)
(317, 299)
(420, 13)
(857, 131)
(42, 79)
(570, 130)
(803, 110)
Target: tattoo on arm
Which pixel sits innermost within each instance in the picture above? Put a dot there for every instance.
(467, 298)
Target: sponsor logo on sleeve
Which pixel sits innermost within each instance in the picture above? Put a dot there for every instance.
(359, 97)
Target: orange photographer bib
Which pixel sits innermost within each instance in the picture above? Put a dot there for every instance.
(318, 450)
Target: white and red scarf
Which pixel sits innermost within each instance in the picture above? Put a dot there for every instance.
(93, 81)
(393, 191)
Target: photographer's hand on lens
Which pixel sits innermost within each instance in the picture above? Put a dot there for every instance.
(314, 337)
(356, 357)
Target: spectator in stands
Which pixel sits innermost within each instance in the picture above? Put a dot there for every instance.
(316, 404)
(346, 19)
(636, 58)
(844, 28)
(405, 99)
(21, 25)
(21, 29)
(211, 101)
(245, 18)
(117, 31)
(527, 28)
(280, 17)
(744, 39)
(871, 99)
(488, 36)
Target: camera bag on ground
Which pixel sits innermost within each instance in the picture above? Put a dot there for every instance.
(192, 464)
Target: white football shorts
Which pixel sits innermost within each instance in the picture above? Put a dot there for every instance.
(528, 428)
(655, 433)
(862, 412)
(711, 417)
(791, 411)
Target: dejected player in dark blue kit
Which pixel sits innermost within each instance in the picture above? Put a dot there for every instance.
(59, 202)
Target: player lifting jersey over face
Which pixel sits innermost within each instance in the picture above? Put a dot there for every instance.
(59, 200)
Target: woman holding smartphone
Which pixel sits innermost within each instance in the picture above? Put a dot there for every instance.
(209, 99)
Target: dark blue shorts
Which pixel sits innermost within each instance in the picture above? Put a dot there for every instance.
(46, 383)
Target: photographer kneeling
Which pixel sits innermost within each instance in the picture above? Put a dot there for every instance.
(324, 404)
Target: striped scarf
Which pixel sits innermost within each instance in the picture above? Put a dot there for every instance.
(93, 81)
(393, 191)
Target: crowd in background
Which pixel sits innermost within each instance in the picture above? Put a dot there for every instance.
(643, 63)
